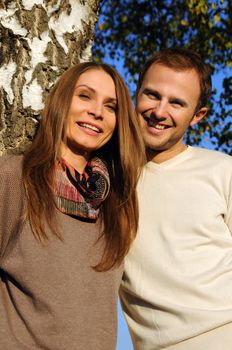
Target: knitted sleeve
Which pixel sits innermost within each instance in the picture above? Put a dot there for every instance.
(11, 199)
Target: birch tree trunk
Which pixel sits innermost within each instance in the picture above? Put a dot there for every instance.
(39, 39)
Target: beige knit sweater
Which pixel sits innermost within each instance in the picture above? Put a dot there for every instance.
(50, 297)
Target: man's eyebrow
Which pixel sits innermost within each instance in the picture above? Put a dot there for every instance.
(148, 90)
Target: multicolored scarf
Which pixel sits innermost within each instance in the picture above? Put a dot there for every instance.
(80, 195)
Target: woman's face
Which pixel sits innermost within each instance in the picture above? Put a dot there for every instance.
(92, 115)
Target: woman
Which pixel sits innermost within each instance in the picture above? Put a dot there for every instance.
(68, 214)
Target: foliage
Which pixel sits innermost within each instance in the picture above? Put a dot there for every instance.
(130, 31)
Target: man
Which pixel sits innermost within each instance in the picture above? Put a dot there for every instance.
(177, 287)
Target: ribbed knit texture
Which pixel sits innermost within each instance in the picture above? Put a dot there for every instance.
(50, 297)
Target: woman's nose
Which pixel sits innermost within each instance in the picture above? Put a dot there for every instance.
(96, 110)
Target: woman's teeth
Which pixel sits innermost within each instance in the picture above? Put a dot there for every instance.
(91, 127)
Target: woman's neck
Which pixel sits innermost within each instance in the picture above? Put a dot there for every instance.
(77, 159)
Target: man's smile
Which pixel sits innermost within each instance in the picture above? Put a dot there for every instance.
(154, 123)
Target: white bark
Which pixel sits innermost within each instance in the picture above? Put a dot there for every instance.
(39, 39)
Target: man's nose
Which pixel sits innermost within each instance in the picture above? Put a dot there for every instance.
(160, 110)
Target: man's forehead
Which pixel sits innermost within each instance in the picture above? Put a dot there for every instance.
(157, 67)
(158, 75)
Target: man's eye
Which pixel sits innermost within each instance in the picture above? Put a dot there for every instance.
(177, 103)
(153, 95)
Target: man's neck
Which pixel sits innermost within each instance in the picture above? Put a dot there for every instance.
(162, 156)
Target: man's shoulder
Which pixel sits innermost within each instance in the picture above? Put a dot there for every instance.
(211, 155)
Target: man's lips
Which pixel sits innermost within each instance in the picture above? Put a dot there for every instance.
(152, 122)
(90, 126)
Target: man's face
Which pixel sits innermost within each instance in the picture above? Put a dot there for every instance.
(166, 105)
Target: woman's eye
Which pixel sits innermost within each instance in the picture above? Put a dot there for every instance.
(84, 96)
(111, 108)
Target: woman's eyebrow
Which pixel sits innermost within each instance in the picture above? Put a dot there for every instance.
(109, 99)
(84, 85)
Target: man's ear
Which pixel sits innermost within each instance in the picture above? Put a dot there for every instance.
(199, 115)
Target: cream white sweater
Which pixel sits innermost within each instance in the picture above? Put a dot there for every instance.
(178, 275)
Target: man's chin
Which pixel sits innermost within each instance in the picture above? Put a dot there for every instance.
(155, 148)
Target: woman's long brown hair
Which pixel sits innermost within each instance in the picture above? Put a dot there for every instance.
(124, 154)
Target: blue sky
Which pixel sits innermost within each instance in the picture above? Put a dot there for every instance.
(124, 341)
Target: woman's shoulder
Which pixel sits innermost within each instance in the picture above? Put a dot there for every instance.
(10, 168)
(11, 192)
(10, 163)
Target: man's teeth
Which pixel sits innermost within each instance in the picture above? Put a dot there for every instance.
(156, 126)
(88, 126)
(160, 127)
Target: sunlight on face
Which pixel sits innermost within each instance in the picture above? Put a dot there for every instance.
(166, 106)
(92, 115)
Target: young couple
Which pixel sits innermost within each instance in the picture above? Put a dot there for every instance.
(69, 215)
